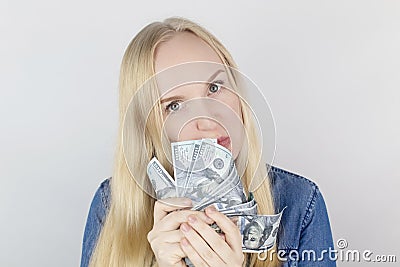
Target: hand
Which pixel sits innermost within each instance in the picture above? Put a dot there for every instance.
(205, 247)
(165, 236)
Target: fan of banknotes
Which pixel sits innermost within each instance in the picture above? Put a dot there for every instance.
(205, 172)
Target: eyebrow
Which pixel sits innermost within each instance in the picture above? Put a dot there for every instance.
(171, 98)
(212, 77)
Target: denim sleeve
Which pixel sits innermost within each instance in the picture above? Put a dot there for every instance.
(94, 222)
(316, 235)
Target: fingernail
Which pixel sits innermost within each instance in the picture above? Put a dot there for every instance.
(185, 227)
(184, 242)
(192, 219)
(187, 202)
(211, 209)
(209, 220)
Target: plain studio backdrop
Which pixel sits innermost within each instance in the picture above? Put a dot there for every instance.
(330, 71)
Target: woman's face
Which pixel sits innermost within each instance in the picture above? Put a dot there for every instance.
(253, 237)
(195, 98)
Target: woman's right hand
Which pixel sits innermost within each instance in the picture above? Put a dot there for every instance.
(165, 236)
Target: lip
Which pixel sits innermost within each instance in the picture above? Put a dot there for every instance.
(224, 141)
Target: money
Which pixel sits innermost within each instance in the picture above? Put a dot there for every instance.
(228, 194)
(211, 162)
(246, 205)
(182, 160)
(245, 211)
(206, 173)
(258, 231)
(163, 184)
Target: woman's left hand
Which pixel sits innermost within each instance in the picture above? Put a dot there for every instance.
(205, 247)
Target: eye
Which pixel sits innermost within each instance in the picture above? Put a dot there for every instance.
(173, 106)
(215, 86)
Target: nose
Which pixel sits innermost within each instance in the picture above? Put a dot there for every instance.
(206, 124)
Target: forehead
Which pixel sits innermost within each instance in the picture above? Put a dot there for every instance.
(183, 47)
(254, 228)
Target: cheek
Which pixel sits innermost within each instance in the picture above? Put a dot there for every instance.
(235, 105)
(178, 131)
(231, 99)
(233, 122)
(186, 133)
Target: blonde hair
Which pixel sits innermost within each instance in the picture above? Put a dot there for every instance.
(123, 238)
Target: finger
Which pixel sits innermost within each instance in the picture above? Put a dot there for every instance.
(234, 219)
(173, 220)
(169, 253)
(166, 237)
(200, 246)
(214, 240)
(231, 231)
(193, 256)
(164, 206)
(222, 235)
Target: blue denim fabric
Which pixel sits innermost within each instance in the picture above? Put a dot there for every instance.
(95, 220)
(304, 224)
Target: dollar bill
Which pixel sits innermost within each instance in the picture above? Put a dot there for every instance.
(245, 205)
(182, 158)
(210, 167)
(229, 192)
(247, 211)
(258, 232)
(163, 184)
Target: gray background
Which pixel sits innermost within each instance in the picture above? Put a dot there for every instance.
(329, 69)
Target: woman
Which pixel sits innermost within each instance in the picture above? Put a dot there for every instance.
(126, 226)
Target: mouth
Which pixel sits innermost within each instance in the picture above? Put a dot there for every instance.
(224, 141)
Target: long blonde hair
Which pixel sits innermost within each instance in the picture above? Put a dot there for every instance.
(123, 238)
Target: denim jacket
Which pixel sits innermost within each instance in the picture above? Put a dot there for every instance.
(304, 233)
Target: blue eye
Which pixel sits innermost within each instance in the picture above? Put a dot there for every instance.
(173, 106)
